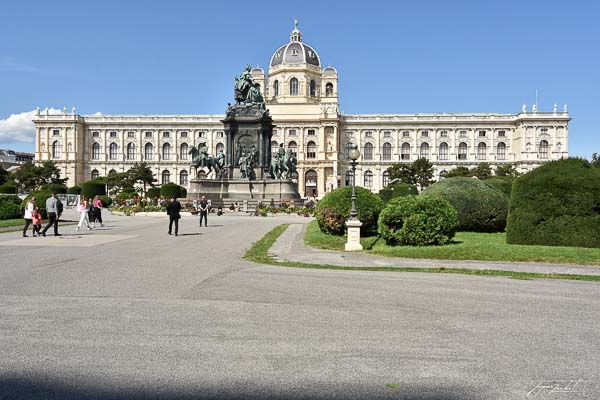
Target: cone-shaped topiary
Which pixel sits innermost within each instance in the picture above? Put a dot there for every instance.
(333, 210)
(480, 207)
(418, 221)
(557, 204)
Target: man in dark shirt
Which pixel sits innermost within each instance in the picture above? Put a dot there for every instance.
(173, 211)
(203, 210)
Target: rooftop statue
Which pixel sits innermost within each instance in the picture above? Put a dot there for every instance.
(246, 90)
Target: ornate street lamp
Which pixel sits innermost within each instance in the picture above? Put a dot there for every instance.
(353, 224)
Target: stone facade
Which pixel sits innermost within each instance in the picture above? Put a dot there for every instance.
(302, 98)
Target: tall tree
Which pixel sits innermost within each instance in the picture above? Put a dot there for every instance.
(50, 173)
(403, 173)
(28, 178)
(142, 173)
(507, 170)
(459, 171)
(596, 160)
(423, 171)
(482, 171)
(3, 175)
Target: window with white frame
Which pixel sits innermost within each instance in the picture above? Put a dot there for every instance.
(183, 151)
(55, 132)
(311, 132)
(183, 178)
(405, 134)
(293, 148)
(387, 151)
(201, 134)
(95, 134)
(462, 133)
(387, 134)
(131, 151)
(95, 174)
(293, 87)
(501, 133)
(96, 151)
(148, 135)
(482, 133)
(130, 134)
(348, 147)
(112, 151)
(292, 132)
(386, 178)
(276, 88)
(166, 151)
(112, 134)
(148, 151)
(369, 134)
(220, 134)
(368, 179)
(368, 152)
(543, 150)
(348, 177)
(166, 135)
(183, 135)
(274, 147)
(425, 134)
(56, 149)
(311, 150)
(481, 151)
(443, 151)
(166, 177)
(543, 131)
(462, 151)
(501, 151)
(443, 133)
(424, 150)
(405, 151)
(219, 148)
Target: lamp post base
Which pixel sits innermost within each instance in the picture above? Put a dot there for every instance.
(353, 243)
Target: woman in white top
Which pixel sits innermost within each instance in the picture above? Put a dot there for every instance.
(82, 207)
(27, 215)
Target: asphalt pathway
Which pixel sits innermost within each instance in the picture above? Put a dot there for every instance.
(145, 315)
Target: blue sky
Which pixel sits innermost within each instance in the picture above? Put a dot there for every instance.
(179, 57)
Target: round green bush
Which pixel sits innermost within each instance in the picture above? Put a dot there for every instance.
(333, 210)
(9, 211)
(502, 183)
(557, 204)
(93, 188)
(8, 188)
(183, 192)
(169, 190)
(397, 190)
(480, 207)
(418, 221)
(74, 190)
(55, 187)
(153, 192)
(12, 199)
(106, 201)
(41, 198)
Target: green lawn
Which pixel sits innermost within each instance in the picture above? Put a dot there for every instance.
(466, 246)
(11, 222)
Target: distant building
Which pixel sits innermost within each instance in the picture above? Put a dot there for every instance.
(9, 159)
(302, 97)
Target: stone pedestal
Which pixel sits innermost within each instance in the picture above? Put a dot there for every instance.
(353, 243)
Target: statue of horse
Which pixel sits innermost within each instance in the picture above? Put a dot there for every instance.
(287, 166)
(200, 160)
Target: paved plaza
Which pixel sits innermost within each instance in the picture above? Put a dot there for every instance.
(127, 311)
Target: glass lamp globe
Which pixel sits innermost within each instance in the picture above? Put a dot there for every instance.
(354, 153)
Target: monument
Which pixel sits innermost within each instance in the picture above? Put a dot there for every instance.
(247, 170)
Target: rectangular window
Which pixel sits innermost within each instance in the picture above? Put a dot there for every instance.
(443, 133)
(368, 134)
(292, 132)
(405, 134)
(311, 132)
(462, 133)
(220, 134)
(183, 135)
(424, 133)
(148, 135)
(501, 133)
(95, 134)
(130, 134)
(387, 134)
(481, 133)
(275, 132)
(55, 132)
(201, 134)
(166, 135)
(113, 134)
(544, 131)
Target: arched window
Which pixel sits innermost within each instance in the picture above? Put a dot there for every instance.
(96, 151)
(443, 153)
(112, 172)
(112, 151)
(387, 152)
(56, 149)
(43, 147)
(368, 179)
(70, 147)
(294, 87)
(349, 177)
(386, 178)
(183, 151)
(95, 174)
(462, 151)
(149, 151)
(405, 151)
(443, 174)
(131, 151)
(166, 151)
(311, 150)
(293, 147)
(347, 150)
(274, 147)
(310, 183)
(424, 151)
(501, 151)
(276, 88)
(201, 174)
(313, 88)
(183, 178)
(329, 90)
(542, 151)
(219, 148)
(166, 177)
(481, 151)
(368, 152)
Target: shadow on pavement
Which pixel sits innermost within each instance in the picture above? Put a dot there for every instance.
(191, 234)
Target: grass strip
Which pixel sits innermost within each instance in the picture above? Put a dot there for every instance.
(259, 253)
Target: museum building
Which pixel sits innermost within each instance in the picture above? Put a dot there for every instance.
(302, 97)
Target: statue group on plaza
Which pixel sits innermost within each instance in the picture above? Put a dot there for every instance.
(246, 90)
(283, 164)
(247, 161)
(201, 159)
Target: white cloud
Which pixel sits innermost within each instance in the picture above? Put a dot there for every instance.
(20, 127)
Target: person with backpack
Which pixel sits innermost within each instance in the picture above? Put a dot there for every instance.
(53, 205)
(29, 207)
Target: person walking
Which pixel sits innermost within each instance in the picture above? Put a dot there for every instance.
(52, 207)
(36, 221)
(173, 211)
(97, 206)
(82, 207)
(29, 207)
(203, 210)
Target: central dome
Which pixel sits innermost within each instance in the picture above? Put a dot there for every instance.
(295, 52)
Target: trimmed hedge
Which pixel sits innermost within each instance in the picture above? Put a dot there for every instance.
(106, 201)
(502, 183)
(480, 207)
(169, 190)
(10, 207)
(93, 188)
(557, 204)
(418, 221)
(8, 188)
(333, 210)
(153, 192)
(397, 190)
(55, 187)
(74, 190)
(41, 198)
